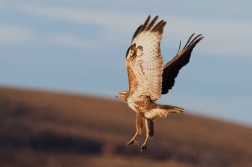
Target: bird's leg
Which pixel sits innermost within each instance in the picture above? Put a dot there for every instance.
(149, 133)
(133, 140)
(139, 127)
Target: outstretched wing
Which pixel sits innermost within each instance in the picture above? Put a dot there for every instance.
(144, 61)
(171, 69)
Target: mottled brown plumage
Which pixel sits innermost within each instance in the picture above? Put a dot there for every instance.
(148, 78)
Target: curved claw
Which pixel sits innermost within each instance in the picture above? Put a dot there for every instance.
(144, 147)
(131, 142)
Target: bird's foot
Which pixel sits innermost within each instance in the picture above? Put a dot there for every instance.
(144, 146)
(132, 141)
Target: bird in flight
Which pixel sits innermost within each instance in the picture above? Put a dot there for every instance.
(148, 78)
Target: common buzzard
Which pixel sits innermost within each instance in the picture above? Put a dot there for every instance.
(148, 78)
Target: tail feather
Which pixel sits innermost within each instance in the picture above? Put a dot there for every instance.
(159, 110)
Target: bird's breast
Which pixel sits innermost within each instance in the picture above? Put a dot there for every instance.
(131, 104)
(139, 104)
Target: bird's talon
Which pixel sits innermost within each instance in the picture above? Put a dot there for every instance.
(144, 147)
(131, 142)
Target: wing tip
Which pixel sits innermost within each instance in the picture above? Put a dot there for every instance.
(168, 83)
(150, 25)
(196, 39)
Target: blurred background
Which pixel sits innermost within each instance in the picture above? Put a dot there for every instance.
(62, 62)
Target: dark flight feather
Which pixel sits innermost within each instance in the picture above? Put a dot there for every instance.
(171, 69)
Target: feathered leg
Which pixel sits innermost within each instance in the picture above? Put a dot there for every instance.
(139, 128)
(149, 124)
(159, 110)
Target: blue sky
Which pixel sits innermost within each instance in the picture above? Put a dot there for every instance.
(79, 46)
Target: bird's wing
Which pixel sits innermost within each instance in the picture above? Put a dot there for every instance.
(171, 69)
(144, 61)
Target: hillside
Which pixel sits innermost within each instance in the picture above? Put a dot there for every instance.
(55, 129)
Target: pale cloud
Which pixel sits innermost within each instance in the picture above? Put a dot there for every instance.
(2, 6)
(69, 40)
(15, 34)
(10, 34)
(106, 19)
(222, 36)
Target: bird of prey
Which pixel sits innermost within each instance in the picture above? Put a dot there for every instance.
(148, 78)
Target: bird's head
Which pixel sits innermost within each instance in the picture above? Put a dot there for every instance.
(122, 95)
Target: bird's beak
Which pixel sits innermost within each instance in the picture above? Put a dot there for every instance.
(116, 96)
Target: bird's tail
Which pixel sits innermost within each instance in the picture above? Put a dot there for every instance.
(159, 110)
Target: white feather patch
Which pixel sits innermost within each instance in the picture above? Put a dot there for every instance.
(151, 60)
(156, 113)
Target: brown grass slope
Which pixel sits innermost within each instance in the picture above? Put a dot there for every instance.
(53, 129)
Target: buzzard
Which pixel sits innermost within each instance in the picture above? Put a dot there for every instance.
(148, 78)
